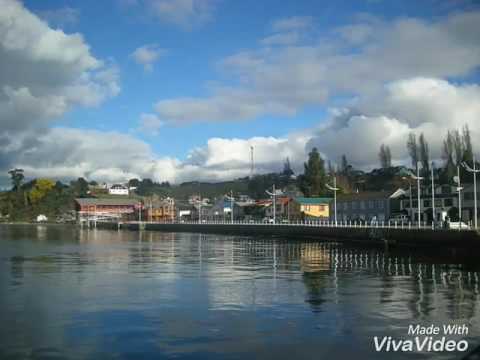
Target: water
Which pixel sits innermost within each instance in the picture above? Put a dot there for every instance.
(96, 294)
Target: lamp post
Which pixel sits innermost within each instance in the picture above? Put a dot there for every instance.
(473, 170)
(410, 194)
(433, 197)
(334, 189)
(418, 178)
(273, 194)
(231, 198)
(457, 180)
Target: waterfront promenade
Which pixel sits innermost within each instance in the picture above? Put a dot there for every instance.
(391, 234)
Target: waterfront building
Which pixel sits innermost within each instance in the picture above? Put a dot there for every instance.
(107, 208)
(222, 208)
(118, 189)
(283, 207)
(311, 208)
(446, 203)
(366, 206)
(160, 209)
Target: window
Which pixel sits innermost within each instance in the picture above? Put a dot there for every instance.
(362, 205)
(448, 202)
(354, 205)
(468, 196)
(371, 204)
(380, 204)
(427, 203)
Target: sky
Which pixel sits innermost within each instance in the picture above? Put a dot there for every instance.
(180, 90)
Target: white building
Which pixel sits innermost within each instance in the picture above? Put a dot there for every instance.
(118, 189)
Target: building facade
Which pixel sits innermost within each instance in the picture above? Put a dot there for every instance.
(364, 206)
(118, 189)
(160, 209)
(98, 208)
(311, 208)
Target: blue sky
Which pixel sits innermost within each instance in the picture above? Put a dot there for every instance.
(114, 30)
(192, 84)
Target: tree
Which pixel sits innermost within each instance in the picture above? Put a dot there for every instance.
(40, 189)
(312, 182)
(80, 187)
(385, 157)
(344, 165)
(412, 149)
(287, 168)
(16, 178)
(424, 154)
(467, 145)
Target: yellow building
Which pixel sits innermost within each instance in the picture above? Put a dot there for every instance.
(160, 210)
(318, 208)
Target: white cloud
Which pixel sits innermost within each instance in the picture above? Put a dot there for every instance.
(183, 13)
(45, 73)
(285, 38)
(150, 124)
(356, 59)
(69, 153)
(147, 55)
(292, 23)
(418, 105)
(62, 17)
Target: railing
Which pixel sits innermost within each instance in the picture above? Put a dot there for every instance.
(423, 225)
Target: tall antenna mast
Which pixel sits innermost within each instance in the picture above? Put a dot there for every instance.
(252, 164)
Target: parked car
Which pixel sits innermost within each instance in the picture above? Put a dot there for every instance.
(267, 220)
(399, 218)
(458, 225)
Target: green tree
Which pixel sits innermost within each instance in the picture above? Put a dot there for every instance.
(385, 157)
(40, 190)
(424, 155)
(312, 183)
(80, 187)
(16, 178)
(413, 150)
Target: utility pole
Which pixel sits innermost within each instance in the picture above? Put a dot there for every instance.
(473, 170)
(232, 204)
(418, 178)
(252, 164)
(200, 209)
(459, 189)
(273, 194)
(433, 197)
(334, 189)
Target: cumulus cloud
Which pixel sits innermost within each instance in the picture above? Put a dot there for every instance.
(67, 153)
(356, 59)
(147, 55)
(292, 23)
(418, 105)
(62, 17)
(184, 13)
(45, 73)
(150, 124)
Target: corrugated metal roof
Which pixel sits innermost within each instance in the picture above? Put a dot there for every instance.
(367, 195)
(107, 201)
(313, 201)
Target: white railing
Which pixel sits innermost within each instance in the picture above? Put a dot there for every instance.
(354, 224)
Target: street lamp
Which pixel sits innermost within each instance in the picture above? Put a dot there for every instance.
(231, 198)
(410, 213)
(474, 171)
(334, 189)
(418, 178)
(273, 194)
(456, 179)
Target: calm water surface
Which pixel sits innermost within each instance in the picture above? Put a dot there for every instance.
(96, 294)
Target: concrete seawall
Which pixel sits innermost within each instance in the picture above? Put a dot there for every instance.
(370, 235)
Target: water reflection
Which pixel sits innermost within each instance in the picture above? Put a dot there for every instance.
(91, 293)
